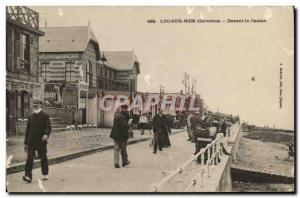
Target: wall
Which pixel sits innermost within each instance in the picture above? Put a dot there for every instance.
(234, 139)
(108, 118)
(90, 55)
(220, 177)
(225, 184)
(65, 115)
(92, 110)
(21, 127)
(78, 116)
(123, 76)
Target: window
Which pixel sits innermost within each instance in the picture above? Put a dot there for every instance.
(9, 65)
(104, 72)
(111, 75)
(70, 71)
(107, 73)
(17, 49)
(24, 60)
(86, 73)
(45, 70)
(90, 74)
(98, 76)
(24, 104)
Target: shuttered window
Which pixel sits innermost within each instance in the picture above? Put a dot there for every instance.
(45, 70)
(70, 72)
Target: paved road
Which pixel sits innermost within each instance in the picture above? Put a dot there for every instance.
(61, 143)
(95, 173)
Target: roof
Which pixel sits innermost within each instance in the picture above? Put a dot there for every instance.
(122, 60)
(15, 15)
(66, 39)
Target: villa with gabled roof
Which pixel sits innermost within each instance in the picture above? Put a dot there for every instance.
(76, 73)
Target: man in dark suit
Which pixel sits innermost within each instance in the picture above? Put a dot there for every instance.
(120, 135)
(37, 133)
(160, 127)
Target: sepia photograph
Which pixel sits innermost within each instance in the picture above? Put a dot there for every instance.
(150, 99)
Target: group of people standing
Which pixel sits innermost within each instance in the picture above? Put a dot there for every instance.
(207, 127)
(120, 134)
(39, 129)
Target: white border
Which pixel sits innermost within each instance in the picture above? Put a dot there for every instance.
(3, 3)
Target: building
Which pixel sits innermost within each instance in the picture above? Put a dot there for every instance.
(126, 65)
(69, 60)
(197, 102)
(22, 46)
(76, 76)
(117, 76)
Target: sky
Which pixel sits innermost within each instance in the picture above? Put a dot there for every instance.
(236, 65)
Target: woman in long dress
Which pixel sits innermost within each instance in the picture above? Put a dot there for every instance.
(166, 139)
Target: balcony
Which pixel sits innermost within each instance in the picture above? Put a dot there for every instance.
(23, 17)
(109, 84)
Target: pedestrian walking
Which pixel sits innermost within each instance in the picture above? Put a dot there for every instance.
(143, 122)
(189, 130)
(182, 119)
(223, 128)
(130, 127)
(37, 134)
(120, 135)
(166, 139)
(160, 127)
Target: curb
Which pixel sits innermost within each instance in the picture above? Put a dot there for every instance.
(55, 160)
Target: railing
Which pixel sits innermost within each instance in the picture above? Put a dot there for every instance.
(23, 15)
(84, 136)
(199, 165)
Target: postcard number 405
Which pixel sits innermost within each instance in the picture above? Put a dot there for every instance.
(151, 21)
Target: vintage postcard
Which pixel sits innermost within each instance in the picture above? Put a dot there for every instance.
(150, 99)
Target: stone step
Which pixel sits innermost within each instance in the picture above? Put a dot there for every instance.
(58, 126)
(60, 129)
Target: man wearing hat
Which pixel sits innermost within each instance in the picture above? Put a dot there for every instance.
(193, 119)
(160, 127)
(36, 137)
(120, 135)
